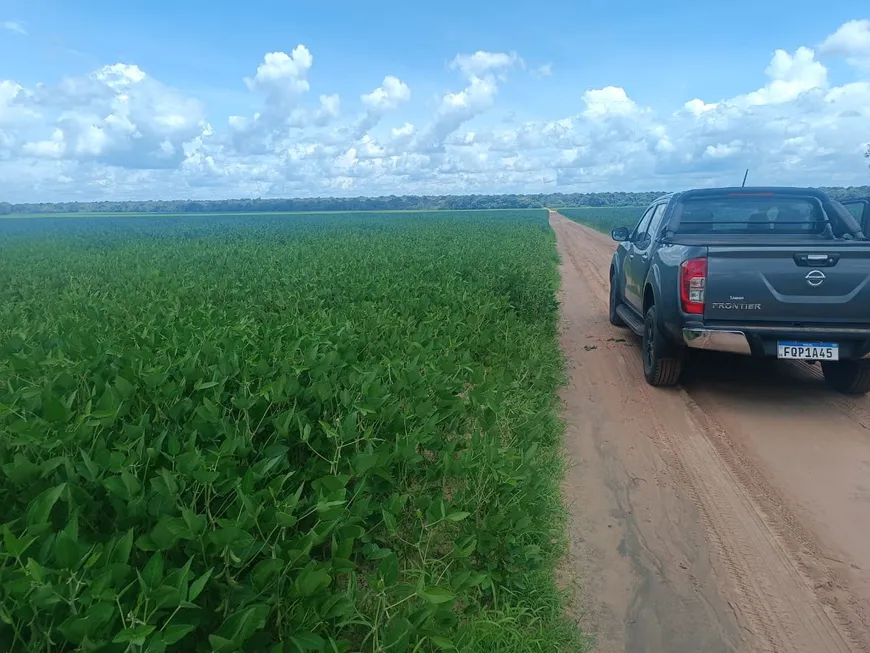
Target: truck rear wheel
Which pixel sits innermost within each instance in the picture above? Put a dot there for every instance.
(848, 377)
(660, 366)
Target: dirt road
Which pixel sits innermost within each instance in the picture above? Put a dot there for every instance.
(731, 514)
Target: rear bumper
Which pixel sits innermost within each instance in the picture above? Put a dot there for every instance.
(734, 342)
(762, 340)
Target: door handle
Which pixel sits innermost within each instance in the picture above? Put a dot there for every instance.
(816, 260)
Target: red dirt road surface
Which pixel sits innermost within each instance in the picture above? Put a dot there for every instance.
(730, 514)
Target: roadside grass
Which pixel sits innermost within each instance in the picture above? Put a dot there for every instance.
(270, 434)
(529, 624)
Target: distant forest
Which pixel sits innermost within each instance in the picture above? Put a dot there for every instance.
(386, 203)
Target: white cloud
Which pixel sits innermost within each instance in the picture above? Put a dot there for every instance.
(15, 105)
(13, 26)
(119, 133)
(117, 115)
(698, 107)
(283, 77)
(282, 81)
(401, 138)
(483, 71)
(609, 101)
(851, 40)
(482, 63)
(405, 130)
(330, 108)
(790, 76)
(388, 95)
(385, 98)
(723, 150)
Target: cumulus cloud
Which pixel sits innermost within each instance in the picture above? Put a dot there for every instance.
(851, 40)
(482, 63)
(281, 80)
(790, 76)
(283, 77)
(483, 71)
(388, 95)
(608, 101)
(117, 115)
(119, 133)
(16, 107)
(385, 98)
(330, 109)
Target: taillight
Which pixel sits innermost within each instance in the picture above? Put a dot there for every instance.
(693, 282)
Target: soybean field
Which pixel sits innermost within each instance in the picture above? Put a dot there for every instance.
(605, 218)
(280, 433)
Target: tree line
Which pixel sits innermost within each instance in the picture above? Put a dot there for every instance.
(383, 203)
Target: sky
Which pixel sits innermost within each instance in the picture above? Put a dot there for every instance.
(207, 100)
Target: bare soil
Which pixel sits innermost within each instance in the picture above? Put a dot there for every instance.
(729, 514)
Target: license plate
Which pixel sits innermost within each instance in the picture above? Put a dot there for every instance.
(813, 351)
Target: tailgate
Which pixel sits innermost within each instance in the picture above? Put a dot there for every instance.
(815, 284)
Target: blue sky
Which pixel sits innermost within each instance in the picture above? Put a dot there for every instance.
(660, 54)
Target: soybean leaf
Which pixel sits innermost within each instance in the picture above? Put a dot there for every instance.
(197, 586)
(435, 595)
(66, 551)
(39, 510)
(135, 635)
(54, 410)
(442, 642)
(397, 635)
(311, 581)
(457, 516)
(176, 632)
(307, 641)
(125, 388)
(152, 574)
(239, 626)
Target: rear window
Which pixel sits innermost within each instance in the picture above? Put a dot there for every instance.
(751, 215)
(856, 209)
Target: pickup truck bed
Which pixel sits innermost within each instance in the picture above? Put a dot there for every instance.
(767, 272)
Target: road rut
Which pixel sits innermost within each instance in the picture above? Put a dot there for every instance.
(729, 514)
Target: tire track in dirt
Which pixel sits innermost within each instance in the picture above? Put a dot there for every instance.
(762, 562)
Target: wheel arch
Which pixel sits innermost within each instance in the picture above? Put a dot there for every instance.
(649, 297)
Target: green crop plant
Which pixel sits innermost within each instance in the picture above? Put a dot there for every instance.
(280, 433)
(605, 218)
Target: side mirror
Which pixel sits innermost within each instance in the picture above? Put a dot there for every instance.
(620, 234)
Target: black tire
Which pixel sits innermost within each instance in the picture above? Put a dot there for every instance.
(615, 320)
(848, 377)
(660, 366)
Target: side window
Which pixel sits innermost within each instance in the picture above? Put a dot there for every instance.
(656, 221)
(648, 226)
(643, 223)
(856, 209)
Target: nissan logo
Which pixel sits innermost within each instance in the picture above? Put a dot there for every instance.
(815, 278)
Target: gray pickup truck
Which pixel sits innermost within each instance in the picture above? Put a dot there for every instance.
(767, 272)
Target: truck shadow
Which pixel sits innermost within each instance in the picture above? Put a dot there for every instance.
(760, 380)
(754, 378)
